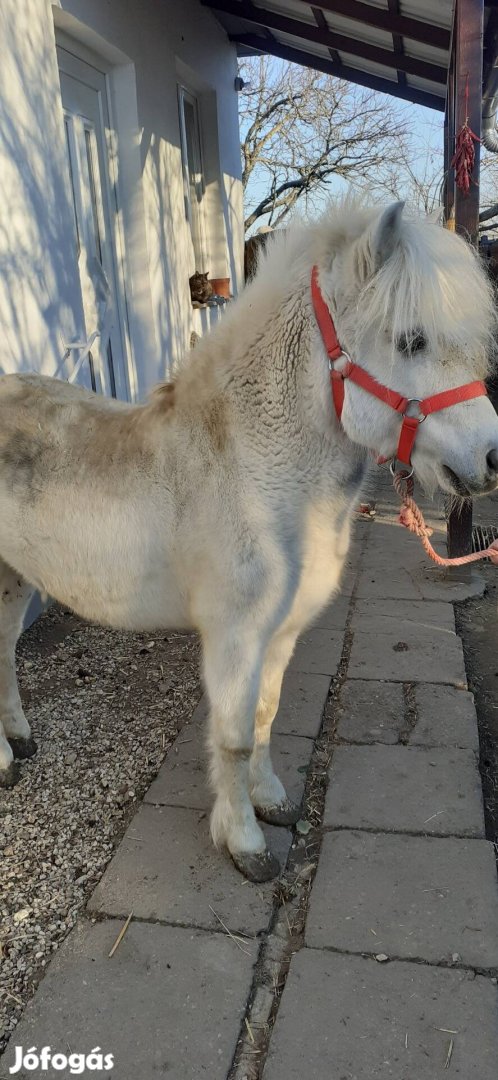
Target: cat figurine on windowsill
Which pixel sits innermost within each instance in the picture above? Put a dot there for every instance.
(201, 289)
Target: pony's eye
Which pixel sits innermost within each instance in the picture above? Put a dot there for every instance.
(411, 343)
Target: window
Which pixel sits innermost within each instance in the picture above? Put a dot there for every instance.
(193, 179)
(86, 120)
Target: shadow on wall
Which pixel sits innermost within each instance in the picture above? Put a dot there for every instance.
(171, 253)
(234, 225)
(40, 297)
(169, 304)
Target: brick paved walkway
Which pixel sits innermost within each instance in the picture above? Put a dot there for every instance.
(405, 874)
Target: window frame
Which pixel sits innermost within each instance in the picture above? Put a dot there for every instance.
(197, 228)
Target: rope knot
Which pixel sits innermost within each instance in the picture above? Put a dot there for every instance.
(412, 518)
(406, 517)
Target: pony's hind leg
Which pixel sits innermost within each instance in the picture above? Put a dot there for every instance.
(268, 794)
(15, 735)
(232, 668)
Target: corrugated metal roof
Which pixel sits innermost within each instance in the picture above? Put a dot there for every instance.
(399, 46)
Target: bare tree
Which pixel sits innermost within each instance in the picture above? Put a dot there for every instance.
(417, 174)
(300, 129)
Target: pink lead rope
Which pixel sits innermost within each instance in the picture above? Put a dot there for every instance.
(412, 518)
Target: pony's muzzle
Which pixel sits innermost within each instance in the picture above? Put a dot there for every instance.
(492, 462)
(475, 483)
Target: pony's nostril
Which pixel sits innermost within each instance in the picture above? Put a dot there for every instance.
(492, 461)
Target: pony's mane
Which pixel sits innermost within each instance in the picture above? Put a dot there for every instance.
(434, 283)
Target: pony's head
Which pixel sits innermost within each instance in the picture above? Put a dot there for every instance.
(414, 308)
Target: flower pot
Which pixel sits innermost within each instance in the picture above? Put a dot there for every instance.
(221, 286)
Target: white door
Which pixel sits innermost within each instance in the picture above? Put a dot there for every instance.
(86, 119)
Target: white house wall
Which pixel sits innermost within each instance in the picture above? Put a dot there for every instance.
(146, 48)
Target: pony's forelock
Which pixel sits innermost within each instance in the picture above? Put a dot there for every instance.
(434, 283)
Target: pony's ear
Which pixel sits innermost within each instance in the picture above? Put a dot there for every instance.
(377, 243)
(386, 234)
(436, 216)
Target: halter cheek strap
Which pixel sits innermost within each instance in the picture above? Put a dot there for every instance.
(401, 404)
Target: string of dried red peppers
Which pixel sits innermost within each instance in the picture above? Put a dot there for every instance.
(463, 159)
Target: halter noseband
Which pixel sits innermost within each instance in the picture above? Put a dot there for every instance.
(410, 423)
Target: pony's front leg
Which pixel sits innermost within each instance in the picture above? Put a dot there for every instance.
(232, 668)
(15, 734)
(267, 792)
(9, 769)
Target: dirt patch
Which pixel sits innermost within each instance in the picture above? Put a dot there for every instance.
(104, 707)
(477, 624)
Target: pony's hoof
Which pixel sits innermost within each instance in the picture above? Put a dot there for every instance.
(257, 865)
(10, 775)
(286, 813)
(23, 748)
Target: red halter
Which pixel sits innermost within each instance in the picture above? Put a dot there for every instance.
(358, 375)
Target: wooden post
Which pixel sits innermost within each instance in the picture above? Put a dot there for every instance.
(449, 143)
(467, 51)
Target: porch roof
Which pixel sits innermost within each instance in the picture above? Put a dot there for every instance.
(401, 47)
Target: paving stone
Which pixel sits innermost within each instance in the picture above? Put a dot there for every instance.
(182, 780)
(167, 868)
(405, 789)
(396, 567)
(423, 582)
(453, 584)
(370, 616)
(366, 1021)
(371, 712)
(389, 538)
(351, 565)
(446, 717)
(169, 1002)
(302, 702)
(334, 616)
(410, 897)
(348, 580)
(318, 652)
(408, 653)
(379, 584)
(393, 565)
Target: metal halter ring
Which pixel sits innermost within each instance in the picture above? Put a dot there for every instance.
(415, 401)
(332, 362)
(393, 470)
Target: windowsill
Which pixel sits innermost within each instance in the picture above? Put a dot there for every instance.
(197, 306)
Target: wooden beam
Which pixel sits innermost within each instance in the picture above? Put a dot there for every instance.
(322, 23)
(398, 46)
(254, 43)
(468, 50)
(383, 20)
(272, 19)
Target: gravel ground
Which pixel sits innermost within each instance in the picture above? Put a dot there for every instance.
(104, 707)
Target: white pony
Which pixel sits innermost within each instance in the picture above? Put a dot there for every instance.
(224, 503)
